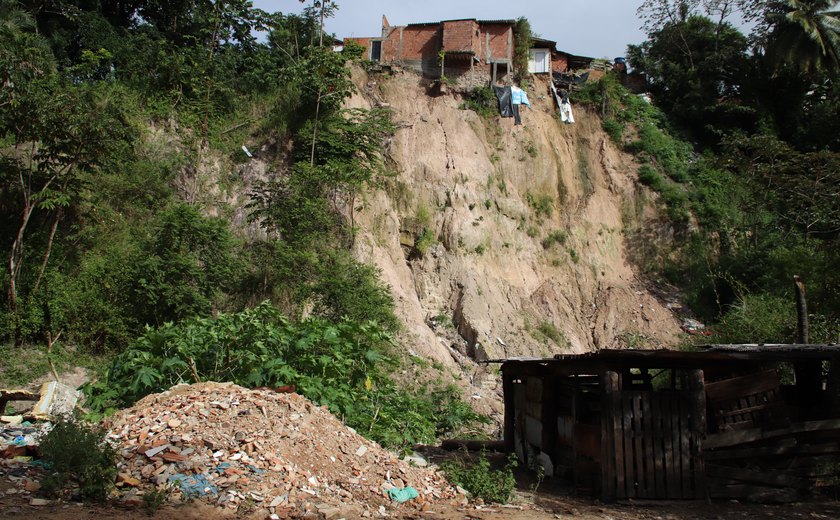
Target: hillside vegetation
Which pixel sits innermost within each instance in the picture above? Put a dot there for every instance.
(136, 226)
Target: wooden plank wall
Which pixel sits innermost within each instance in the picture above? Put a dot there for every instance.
(652, 443)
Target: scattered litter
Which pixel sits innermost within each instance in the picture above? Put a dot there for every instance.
(194, 486)
(694, 327)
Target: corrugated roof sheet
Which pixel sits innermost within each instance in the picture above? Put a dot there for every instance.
(712, 352)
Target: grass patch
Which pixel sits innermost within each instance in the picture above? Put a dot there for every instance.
(481, 100)
(541, 204)
(23, 365)
(555, 237)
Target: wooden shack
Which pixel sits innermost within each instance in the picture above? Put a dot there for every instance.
(725, 421)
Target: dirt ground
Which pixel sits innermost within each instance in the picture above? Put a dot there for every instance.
(549, 502)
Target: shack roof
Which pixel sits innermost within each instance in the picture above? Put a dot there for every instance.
(706, 356)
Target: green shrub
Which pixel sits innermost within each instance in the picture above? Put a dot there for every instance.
(492, 486)
(550, 331)
(153, 499)
(481, 100)
(343, 365)
(555, 237)
(759, 318)
(532, 150)
(614, 129)
(426, 240)
(78, 451)
(542, 204)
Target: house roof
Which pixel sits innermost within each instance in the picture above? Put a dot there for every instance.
(705, 356)
(480, 22)
(543, 43)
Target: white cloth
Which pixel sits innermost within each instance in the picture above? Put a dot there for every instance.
(566, 113)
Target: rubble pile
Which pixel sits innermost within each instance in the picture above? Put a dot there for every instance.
(261, 449)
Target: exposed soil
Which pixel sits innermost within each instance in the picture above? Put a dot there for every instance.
(530, 226)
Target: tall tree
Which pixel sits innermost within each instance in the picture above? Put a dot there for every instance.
(804, 34)
(696, 70)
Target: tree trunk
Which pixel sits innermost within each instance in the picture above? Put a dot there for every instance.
(48, 251)
(802, 332)
(315, 129)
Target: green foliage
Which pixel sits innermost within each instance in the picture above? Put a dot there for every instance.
(532, 150)
(187, 261)
(550, 331)
(697, 69)
(665, 159)
(522, 43)
(343, 365)
(554, 237)
(805, 34)
(481, 481)
(613, 128)
(482, 101)
(353, 51)
(425, 240)
(532, 231)
(760, 318)
(541, 204)
(78, 451)
(153, 499)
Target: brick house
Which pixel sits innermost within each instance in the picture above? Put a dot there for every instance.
(545, 58)
(467, 51)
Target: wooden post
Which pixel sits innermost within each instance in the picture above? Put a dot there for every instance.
(549, 418)
(610, 409)
(802, 333)
(510, 411)
(808, 373)
(697, 424)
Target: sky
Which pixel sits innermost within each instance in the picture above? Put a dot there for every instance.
(594, 28)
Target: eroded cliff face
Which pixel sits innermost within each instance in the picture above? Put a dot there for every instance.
(525, 245)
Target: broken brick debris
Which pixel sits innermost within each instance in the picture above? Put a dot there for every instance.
(280, 451)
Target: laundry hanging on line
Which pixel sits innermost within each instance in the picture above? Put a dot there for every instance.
(519, 96)
(504, 96)
(566, 112)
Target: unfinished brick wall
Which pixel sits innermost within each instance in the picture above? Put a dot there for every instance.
(559, 62)
(420, 42)
(391, 44)
(460, 36)
(417, 47)
(500, 40)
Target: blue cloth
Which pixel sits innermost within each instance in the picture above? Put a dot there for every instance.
(519, 96)
(195, 485)
(403, 495)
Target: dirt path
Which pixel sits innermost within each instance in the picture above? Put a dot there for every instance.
(549, 502)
